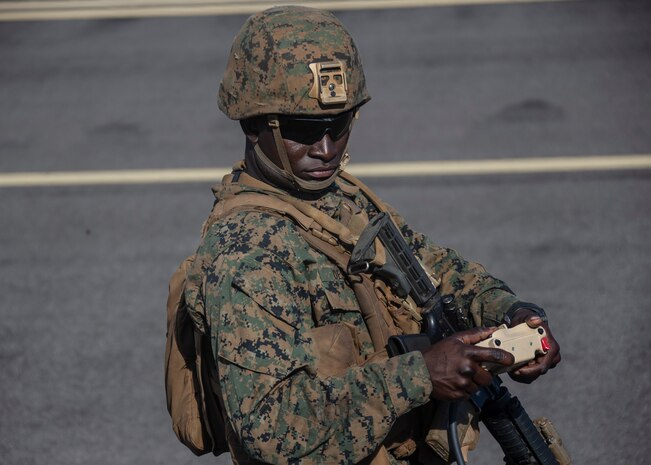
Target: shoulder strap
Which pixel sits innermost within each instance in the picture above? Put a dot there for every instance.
(379, 204)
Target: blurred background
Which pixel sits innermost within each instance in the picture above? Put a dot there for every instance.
(89, 87)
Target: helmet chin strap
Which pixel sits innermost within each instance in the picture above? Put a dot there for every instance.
(285, 177)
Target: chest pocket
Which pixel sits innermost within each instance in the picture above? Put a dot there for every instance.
(331, 295)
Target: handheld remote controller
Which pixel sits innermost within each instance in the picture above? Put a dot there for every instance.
(522, 341)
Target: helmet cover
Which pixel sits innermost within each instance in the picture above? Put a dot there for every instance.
(281, 57)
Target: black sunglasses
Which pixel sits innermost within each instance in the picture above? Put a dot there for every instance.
(308, 131)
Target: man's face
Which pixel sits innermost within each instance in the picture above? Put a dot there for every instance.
(314, 146)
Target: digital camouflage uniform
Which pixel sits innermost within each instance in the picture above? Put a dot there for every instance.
(265, 290)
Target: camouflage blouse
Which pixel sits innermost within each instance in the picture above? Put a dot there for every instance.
(264, 289)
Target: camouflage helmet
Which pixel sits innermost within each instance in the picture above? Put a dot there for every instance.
(292, 60)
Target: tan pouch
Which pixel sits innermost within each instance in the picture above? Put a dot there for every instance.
(468, 429)
(404, 312)
(182, 386)
(335, 348)
(381, 457)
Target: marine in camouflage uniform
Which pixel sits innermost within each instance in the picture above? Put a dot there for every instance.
(270, 297)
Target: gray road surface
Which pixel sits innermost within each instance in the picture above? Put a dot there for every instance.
(83, 270)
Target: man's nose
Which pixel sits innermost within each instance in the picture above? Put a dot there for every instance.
(324, 149)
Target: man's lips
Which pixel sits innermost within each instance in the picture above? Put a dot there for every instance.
(321, 172)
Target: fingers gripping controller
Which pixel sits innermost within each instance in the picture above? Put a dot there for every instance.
(522, 341)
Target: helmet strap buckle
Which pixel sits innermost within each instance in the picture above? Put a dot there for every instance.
(274, 124)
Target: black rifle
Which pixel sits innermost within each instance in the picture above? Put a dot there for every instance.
(502, 413)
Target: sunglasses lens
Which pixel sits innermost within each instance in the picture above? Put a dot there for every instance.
(308, 131)
(340, 125)
(303, 131)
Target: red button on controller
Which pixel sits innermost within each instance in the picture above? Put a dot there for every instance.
(545, 344)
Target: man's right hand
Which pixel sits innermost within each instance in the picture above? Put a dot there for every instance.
(454, 364)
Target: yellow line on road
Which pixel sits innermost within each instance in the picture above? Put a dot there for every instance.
(112, 9)
(503, 166)
(364, 170)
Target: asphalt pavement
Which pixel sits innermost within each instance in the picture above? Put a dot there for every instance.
(84, 269)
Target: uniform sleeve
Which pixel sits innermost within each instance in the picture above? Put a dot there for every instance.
(486, 297)
(279, 404)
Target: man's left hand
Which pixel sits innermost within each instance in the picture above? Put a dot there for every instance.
(542, 363)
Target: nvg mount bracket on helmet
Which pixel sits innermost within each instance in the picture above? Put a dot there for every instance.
(329, 82)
